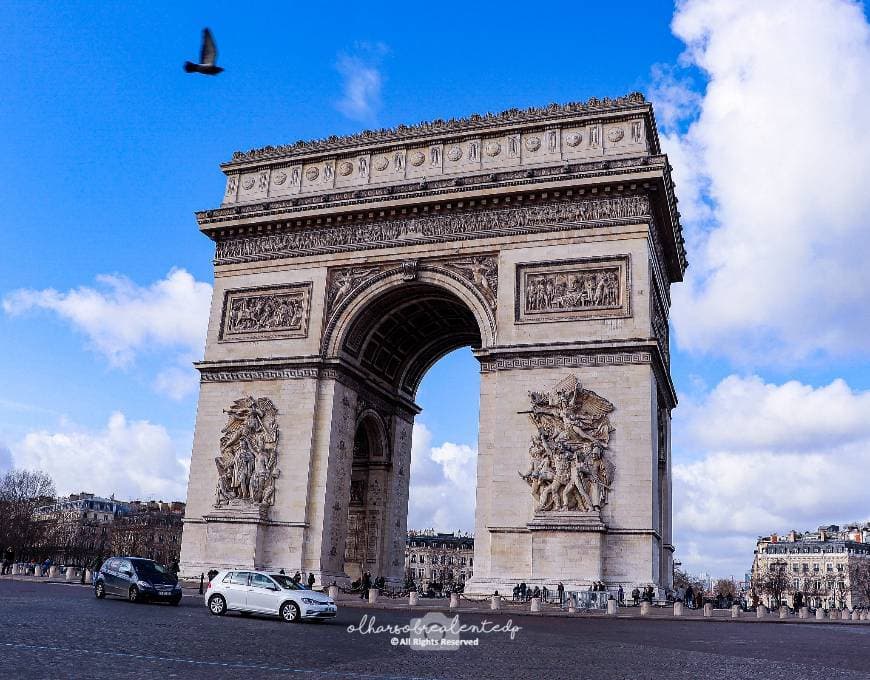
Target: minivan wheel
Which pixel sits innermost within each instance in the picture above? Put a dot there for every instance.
(134, 594)
(217, 605)
(290, 612)
(99, 590)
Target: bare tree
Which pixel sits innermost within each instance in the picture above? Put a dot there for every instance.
(859, 582)
(775, 582)
(725, 589)
(21, 492)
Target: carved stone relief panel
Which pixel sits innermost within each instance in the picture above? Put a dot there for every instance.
(248, 455)
(266, 313)
(594, 288)
(569, 470)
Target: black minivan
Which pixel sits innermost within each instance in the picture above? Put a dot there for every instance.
(137, 579)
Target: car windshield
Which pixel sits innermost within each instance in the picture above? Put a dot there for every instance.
(286, 582)
(146, 568)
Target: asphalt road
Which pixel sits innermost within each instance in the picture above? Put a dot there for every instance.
(62, 631)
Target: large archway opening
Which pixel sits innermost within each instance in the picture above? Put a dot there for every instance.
(408, 332)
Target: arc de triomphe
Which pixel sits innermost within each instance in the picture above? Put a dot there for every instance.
(547, 240)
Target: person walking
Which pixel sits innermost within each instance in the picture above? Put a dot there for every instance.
(8, 560)
(297, 578)
(635, 595)
(560, 589)
(690, 596)
(365, 585)
(620, 596)
(311, 580)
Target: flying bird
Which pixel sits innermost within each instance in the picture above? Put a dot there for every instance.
(207, 57)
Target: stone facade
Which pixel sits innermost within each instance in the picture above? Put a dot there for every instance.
(438, 561)
(821, 565)
(545, 239)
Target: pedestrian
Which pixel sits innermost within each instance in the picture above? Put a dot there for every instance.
(560, 589)
(297, 578)
(690, 596)
(173, 569)
(311, 580)
(635, 594)
(522, 590)
(365, 585)
(537, 592)
(8, 560)
(620, 595)
(281, 571)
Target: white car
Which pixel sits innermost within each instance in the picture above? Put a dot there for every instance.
(257, 592)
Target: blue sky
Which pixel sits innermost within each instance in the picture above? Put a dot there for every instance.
(110, 147)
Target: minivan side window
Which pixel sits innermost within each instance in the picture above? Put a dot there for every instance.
(240, 578)
(124, 565)
(111, 565)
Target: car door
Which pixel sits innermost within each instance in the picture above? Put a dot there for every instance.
(110, 576)
(124, 577)
(235, 589)
(262, 594)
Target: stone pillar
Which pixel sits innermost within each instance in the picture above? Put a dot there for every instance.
(855, 615)
(333, 592)
(89, 577)
(834, 614)
(783, 612)
(804, 613)
(495, 602)
(53, 571)
(412, 598)
(612, 607)
(735, 611)
(645, 608)
(70, 574)
(572, 605)
(373, 595)
(14, 571)
(761, 611)
(678, 608)
(454, 600)
(536, 604)
(708, 609)
(820, 613)
(37, 570)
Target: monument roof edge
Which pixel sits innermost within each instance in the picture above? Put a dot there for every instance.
(474, 122)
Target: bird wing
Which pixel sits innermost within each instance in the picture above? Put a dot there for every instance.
(208, 53)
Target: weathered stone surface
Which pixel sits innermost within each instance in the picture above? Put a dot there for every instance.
(344, 271)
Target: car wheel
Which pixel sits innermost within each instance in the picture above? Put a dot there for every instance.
(100, 590)
(133, 595)
(217, 605)
(290, 612)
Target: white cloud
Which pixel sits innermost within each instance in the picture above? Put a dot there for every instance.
(5, 458)
(778, 152)
(135, 459)
(443, 484)
(755, 458)
(122, 320)
(361, 83)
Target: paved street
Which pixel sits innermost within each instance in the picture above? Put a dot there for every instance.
(62, 631)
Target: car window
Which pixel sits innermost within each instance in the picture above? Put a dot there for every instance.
(228, 578)
(240, 578)
(148, 568)
(124, 565)
(286, 582)
(261, 581)
(111, 565)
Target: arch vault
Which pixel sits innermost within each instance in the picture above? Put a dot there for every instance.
(546, 240)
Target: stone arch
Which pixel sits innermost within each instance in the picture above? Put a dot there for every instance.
(449, 310)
